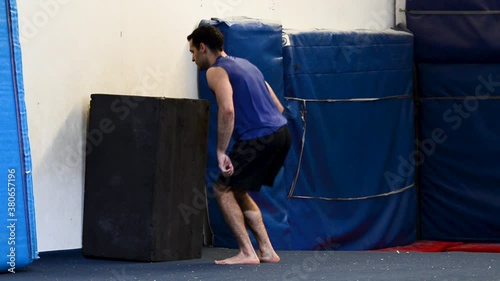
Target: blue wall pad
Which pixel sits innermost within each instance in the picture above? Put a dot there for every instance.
(259, 42)
(17, 217)
(351, 116)
(459, 179)
(455, 31)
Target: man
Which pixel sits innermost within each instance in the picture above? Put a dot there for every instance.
(250, 112)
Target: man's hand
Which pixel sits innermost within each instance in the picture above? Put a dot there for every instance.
(225, 164)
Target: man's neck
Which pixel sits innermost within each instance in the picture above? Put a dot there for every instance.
(213, 57)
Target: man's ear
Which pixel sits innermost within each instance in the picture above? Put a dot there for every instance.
(203, 48)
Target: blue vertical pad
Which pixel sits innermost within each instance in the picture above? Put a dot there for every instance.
(455, 31)
(459, 179)
(17, 218)
(351, 115)
(260, 43)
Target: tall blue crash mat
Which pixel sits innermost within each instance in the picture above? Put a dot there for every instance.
(18, 246)
(455, 31)
(351, 113)
(459, 172)
(457, 50)
(260, 43)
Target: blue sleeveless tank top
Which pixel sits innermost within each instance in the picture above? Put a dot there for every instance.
(256, 115)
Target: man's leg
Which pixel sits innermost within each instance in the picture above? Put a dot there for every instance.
(234, 218)
(254, 220)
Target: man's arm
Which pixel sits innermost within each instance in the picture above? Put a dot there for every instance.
(275, 98)
(218, 81)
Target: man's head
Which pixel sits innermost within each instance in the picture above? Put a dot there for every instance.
(203, 41)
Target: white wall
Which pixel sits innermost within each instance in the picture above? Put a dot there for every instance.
(73, 48)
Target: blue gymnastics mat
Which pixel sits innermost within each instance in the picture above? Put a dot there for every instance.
(351, 115)
(266, 53)
(455, 31)
(459, 180)
(18, 246)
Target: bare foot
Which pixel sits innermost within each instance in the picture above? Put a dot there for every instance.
(270, 256)
(240, 259)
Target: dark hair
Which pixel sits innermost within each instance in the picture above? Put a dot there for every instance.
(209, 35)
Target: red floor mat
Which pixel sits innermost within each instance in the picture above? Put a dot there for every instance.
(443, 246)
(423, 246)
(476, 247)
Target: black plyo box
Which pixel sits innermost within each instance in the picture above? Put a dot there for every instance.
(145, 178)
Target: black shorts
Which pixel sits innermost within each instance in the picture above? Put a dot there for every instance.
(257, 161)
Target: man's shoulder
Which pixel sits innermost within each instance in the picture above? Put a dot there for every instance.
(216, 72)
